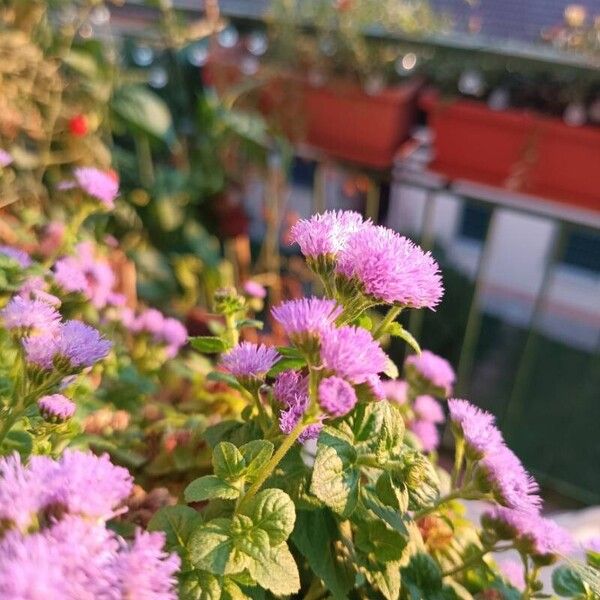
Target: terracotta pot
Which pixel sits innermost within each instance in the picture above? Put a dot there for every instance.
(515, 149)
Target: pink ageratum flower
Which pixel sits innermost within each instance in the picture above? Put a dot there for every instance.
(5, 158)
(427, 434)
(592, 545)
(476, 426)
(375, 386)
(511, 485)
(56, 407)
(31, 316)
(288, 385)
(250, 360)
(512, 570)
(396, 391)
(429, 409)
(85, 273)
(535, 534)
(390, 268)
(145, 570)
(291, 416)
(434, 369)
(19, 256)
(336, 396)
(307, 316)
(255, 289)
(325, 234)
(164, 330)
(352, 353)
(98, 184)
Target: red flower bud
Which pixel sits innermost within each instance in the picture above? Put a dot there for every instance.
(78, 125)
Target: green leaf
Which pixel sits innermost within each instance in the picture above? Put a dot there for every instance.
(285, 364)
(250, 323)
(391, 370)
(19, 441)
(279, 573)
(395, 329)
(211, 545)
(335, 479)
(422, 577)
(144, 111)
(208, 344)
(256, 454)
(567, 582)
(365, 322)
(273, 511)
(289, 352)
(251, 543)
(389, 514)
(314, 536)
(228, 462)
(376, 539)
(387, 580)
(208, 487)
(178, 522)
(230, 380)
(200, 585)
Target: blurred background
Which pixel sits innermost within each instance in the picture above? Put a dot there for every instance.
(473, 127)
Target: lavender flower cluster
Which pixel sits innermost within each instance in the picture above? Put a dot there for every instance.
(55, 542)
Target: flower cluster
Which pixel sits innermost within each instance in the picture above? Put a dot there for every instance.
(56, 543)
(250, 361)
(385, 266)
(162, 330)
(431, 373)
(99, 185)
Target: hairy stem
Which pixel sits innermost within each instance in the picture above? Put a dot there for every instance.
(459, 454)
(462, 492)
(389, 318)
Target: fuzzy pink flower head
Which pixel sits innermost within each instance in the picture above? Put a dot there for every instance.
(336, 396)
(510, 484)
(248, 360)
(592, 545)
(146, 571)
(396, 390)
(477, 426)
(427, 434)
(289, 418)
(174, 335)
(255, 289)
(306, 317)
(19, 256)
(5, 158)
(81, 344)
(288, 386)
(98, 184)
(325, 234)
(56, 408)
(29, 316)
(352, 353)
(433, 369)
(390, 268)
(533, 533)
(375, 386)
(86, 273)
(428, 409)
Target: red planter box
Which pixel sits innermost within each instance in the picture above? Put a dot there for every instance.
(518, 150)
(341, 120)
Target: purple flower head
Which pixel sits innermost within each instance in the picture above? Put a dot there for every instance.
(56, 408)
(336, 396)
(87, 274)
(327, 233)
(40, 350)
(5, 158)
(289, 418)
(428, 409)
(427, 434)
(175, 335)
(19, 256)
(306, 317)
(375, 386)
(288, 386)
(510, 484)
(433, 369)
(396, 391)
(98, 184)
(248, 360)
(146, 571)
(149, 321)
(512, 570)
(80, 344)
(352, 353)
(592, 545)
(255, 289)
(390, 268)
(476, 426)
(34, 288)
(30, 316)
(533, 533)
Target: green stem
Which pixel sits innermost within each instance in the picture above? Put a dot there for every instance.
(231, 331)
(526, 576)
(266, 471)
(459, 454)
(459, 493)
(386, 321)
(473, 560)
